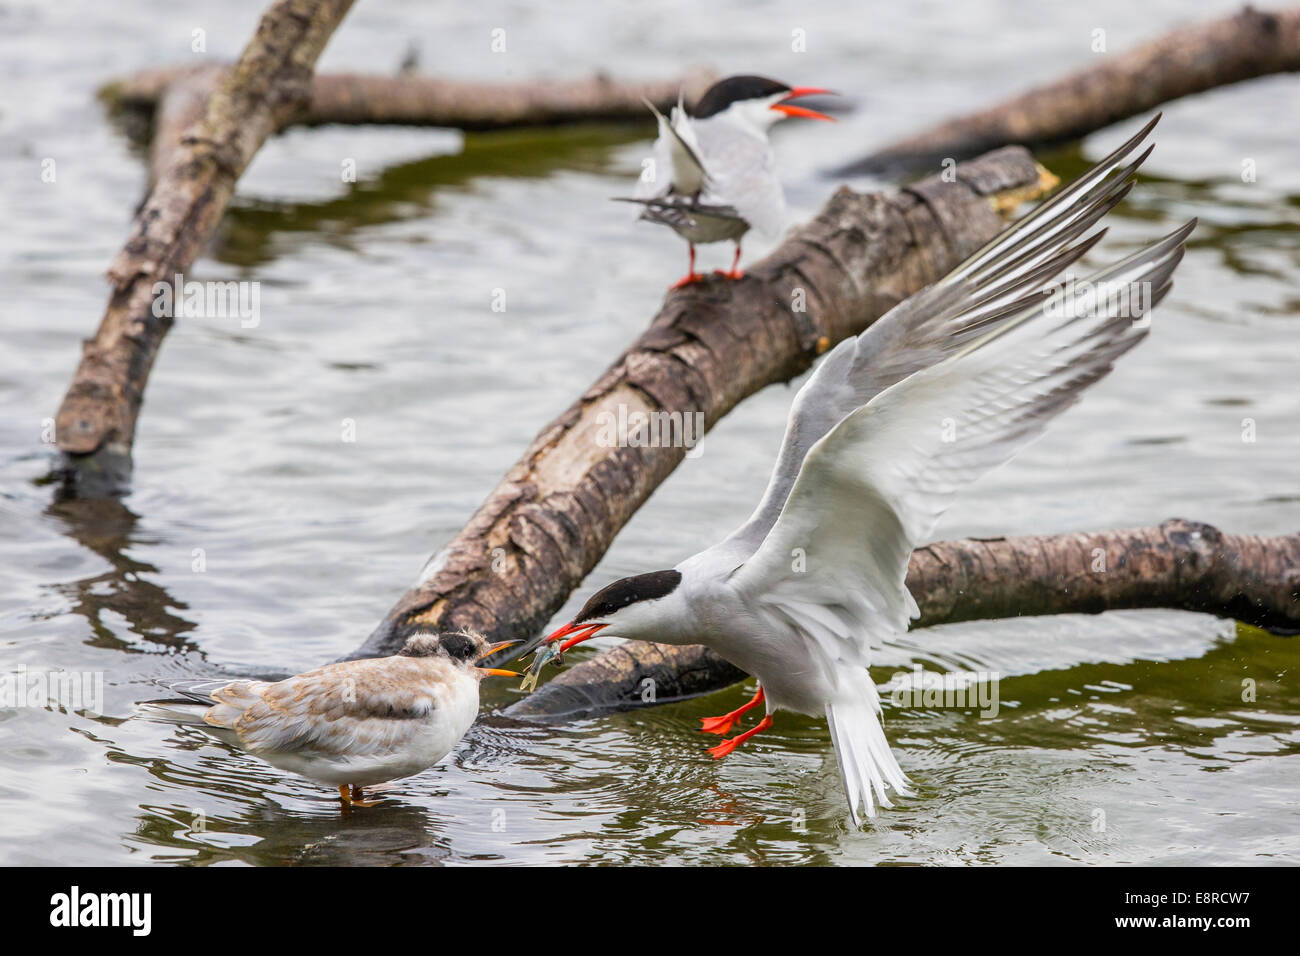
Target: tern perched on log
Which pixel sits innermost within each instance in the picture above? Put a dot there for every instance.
(712, 176)
(949, 384)
(351, 724)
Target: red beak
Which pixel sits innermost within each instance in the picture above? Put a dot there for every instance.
(583, 632)
(785, 107)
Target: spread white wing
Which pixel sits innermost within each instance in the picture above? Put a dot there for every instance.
(941, 320)
(871, 489)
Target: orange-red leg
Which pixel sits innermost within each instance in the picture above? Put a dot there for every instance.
(735, 272)
(727, 746)
(355, 798)
(723, 724)
(691, 274)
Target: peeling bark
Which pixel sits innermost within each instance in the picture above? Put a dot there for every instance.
(1190, 60)
(712, 344)
(1179, 564)
(269, 84)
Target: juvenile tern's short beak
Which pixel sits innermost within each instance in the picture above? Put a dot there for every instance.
(488, 652)
(790, 110)
(493, 648)
(583, 632)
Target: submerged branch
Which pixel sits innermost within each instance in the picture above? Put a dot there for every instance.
(1179, 564)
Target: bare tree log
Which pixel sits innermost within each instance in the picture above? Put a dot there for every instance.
(269, 84)
(712, 344)
(183, 103)
(415, 100)
(178, 96)
(1190, 60)
(1179, 564)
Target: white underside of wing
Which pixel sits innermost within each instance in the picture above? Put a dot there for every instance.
(941, 320)
(834, 564)
(872, 489)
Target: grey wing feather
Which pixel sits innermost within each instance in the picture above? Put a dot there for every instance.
(676, 166)
(199, 691)
(680, 212)
(989, 288)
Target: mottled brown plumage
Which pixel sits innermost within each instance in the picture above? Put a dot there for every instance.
(358, 723)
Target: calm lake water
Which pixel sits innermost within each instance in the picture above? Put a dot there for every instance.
(1122, 738)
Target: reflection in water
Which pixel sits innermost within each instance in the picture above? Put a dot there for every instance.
(1073, 744)
(107, 527)
(409, 191)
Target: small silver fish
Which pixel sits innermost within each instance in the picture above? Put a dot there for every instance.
(543, 654)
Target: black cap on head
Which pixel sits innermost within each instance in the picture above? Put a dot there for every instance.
(734, 89)
(457, 646)
(616, 596)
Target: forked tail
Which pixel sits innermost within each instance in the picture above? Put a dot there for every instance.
(866, 762)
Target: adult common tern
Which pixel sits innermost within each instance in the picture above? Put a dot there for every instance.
(712, 176)
(355, 723)
(946, 386)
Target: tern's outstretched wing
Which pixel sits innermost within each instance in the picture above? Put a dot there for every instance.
(941, 319)
(872, 488)
(675, 166)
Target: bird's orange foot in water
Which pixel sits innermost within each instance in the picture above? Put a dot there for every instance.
(354, 799)
(727, 746)
(689, 279)
(723, 724)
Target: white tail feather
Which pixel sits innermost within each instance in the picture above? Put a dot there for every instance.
(866, 762)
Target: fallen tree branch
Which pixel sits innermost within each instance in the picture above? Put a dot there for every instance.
(1180, 564)
(1190, 60)
(712, 344)
(414, 100)
(178, 95)
(269, 84)
(175, 96)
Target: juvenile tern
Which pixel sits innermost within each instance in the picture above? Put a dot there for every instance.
(352, 724)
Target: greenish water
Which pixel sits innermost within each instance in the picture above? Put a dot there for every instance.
(1119, 738)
